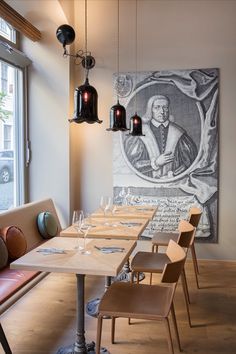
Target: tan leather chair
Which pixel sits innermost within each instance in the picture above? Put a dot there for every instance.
(162, 238)
(149, 262)
(143, 301)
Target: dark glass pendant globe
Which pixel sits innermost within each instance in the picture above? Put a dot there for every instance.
(86, 102)
(117, 118)
(65, 34)
(136, 125)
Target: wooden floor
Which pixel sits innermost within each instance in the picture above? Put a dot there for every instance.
(44, 319)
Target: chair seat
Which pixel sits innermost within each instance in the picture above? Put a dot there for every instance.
(149, 262)
(163, 238)
(137, 300)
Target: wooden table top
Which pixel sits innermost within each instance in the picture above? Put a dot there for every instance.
(96, 263)
(109, 227)
(130, 211)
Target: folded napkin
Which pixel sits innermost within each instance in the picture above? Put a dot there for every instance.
(129, 224)
(111, 249)
(51, 250)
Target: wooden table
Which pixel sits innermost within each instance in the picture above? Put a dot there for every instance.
(111, 227)
(71, 261)
(130, 211)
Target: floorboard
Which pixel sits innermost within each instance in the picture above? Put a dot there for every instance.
(44, 319)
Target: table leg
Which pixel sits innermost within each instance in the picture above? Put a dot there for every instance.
(80, 346)
(125, 274)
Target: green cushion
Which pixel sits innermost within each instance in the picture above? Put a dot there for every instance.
(3, 253)
(47, 224)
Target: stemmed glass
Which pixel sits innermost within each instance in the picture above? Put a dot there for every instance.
(77, 221)
(105, 203)
(85, 227)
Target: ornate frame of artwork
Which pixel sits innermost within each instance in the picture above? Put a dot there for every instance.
(175, 164)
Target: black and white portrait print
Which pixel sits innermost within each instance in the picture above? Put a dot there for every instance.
(174, 165)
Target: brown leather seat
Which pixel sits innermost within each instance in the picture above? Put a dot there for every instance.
(149, 262)
(162, 238)
(142, 301)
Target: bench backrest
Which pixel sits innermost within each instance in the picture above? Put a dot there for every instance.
(25, 217)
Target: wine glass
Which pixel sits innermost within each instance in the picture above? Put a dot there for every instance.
(85, 227)
(103, 203)
(77, 221)
(109, 205)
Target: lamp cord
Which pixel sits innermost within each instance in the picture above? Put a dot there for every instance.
(86, 36)
(118, 45)
(136, 50)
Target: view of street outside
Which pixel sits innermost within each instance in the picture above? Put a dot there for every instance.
(6, 196)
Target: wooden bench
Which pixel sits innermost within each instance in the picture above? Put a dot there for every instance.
(15, 283)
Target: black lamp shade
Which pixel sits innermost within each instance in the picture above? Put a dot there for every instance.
(86, 102)
(65, 34)
(136, 125)
(117, 118)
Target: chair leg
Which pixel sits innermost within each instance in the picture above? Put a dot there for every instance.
(150, 278)
(154, 248)
(195, 266)
(99, 334)
(169, 338)
(4, 341)
(193, 251)
(185, 291)
(185, 285)
(113, 324)
(175, 326)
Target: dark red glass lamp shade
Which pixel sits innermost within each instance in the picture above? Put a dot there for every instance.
(85, 103)
(117, 118)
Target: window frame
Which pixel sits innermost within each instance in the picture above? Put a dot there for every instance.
(10, 55)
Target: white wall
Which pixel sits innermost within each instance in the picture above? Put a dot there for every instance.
(173, 34)
(48, 105)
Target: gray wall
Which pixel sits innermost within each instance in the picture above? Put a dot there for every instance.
(73, 164)
(48, 106)
(171, 35)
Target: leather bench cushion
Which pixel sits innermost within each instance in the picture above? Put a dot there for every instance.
(11, 280)
(15, 241)
(3, 253)
(47, 224)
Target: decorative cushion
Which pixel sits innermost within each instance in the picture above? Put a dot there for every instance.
(15, 241)
(3, 253)
(47, 224)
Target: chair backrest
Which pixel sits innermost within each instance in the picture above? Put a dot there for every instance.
(172, 270)
(194, 216)
(186, 234)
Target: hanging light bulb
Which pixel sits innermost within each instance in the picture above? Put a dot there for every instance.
(135, 120)
(118, 112)
(85, 97)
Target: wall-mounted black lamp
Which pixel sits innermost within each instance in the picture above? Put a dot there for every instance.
(86, 97)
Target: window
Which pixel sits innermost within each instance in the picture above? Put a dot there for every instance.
(12, 124)
(7, 31)
(7, 137)
(4, 78)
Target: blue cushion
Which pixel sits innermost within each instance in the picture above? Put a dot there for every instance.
(47, 224)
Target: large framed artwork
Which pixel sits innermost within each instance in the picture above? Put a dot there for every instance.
(175, 164)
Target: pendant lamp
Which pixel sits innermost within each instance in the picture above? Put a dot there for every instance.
(85, 97)
(136, 120)
(118, 112)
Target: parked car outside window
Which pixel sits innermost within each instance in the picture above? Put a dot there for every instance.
(6, 166)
